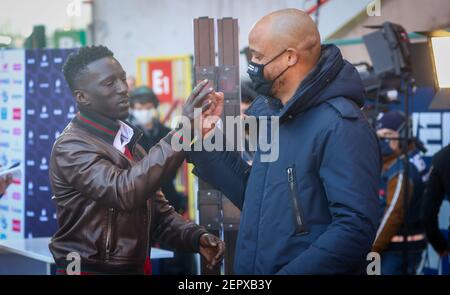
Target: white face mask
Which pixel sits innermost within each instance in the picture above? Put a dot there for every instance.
(145, 116)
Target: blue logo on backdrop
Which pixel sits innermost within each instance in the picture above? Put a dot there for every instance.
(4, 114)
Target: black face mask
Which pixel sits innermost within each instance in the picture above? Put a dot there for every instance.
(256, 74)
(385, 148)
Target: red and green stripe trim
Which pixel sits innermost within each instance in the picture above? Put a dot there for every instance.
(83, 118)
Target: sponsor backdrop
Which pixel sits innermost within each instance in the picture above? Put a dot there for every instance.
(49, 107)
(12, 105)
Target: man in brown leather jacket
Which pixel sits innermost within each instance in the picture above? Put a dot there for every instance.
(106, 187)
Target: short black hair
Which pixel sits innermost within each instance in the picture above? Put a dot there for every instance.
(143, 94)
(77, 61)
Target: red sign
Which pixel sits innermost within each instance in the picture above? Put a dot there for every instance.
(16, 225)
(160, 80)
(17, 114)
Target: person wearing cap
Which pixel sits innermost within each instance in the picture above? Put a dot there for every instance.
(390, 235)
(144, 114)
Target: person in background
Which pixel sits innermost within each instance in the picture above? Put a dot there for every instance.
(390, 235)
(438, 187)
(131, 81)
(144, 114)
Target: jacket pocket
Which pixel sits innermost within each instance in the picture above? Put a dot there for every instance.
(109, 233)
(299, 221)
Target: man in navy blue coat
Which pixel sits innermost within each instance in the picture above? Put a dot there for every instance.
(314, 209)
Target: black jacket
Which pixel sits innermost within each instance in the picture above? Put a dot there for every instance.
(312, 209)
(438, 186)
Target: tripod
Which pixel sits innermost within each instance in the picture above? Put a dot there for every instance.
(407, 138)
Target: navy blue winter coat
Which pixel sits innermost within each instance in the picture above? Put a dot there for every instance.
(315, 209)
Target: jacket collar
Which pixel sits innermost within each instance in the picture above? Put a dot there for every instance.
(308, 92)
(103, 127)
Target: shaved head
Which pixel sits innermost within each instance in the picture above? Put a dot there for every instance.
(291, 30)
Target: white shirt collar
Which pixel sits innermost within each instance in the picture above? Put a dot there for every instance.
(123, 137)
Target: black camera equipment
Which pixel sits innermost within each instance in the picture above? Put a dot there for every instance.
(388, 49)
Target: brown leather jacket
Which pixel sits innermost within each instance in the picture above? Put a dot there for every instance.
(394, 213)
(110, 209)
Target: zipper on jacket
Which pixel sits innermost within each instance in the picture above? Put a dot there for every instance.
(300, 228)
(109, 231)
